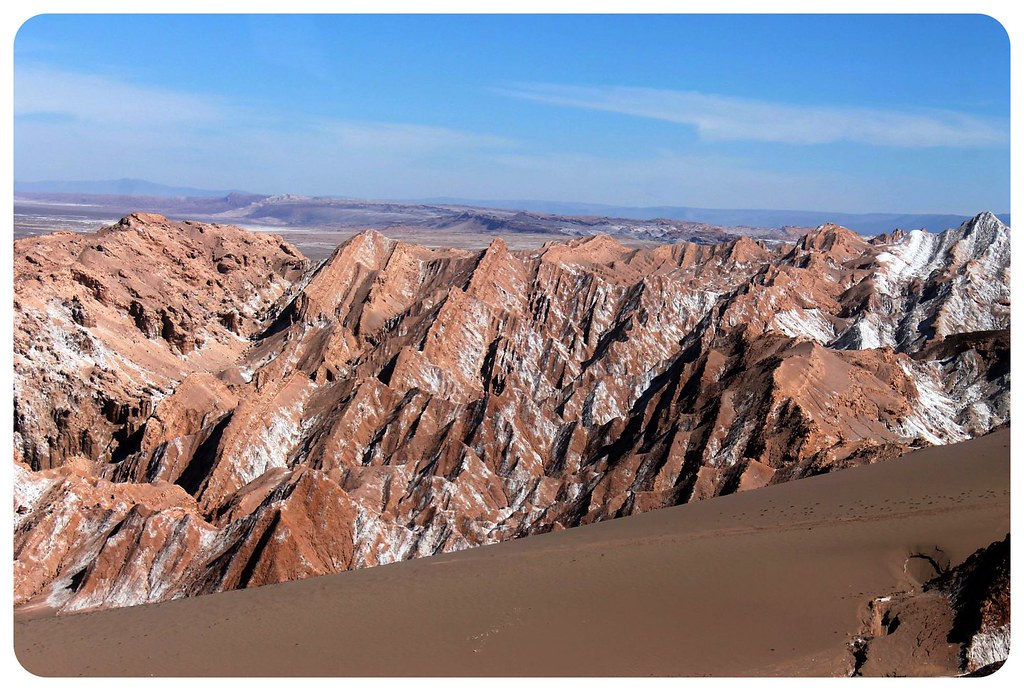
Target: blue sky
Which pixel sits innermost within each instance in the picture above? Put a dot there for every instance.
(838, 113)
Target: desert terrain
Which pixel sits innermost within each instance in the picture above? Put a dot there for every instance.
(779, 581)
(202, 409)
(444, 346)
(316, 225)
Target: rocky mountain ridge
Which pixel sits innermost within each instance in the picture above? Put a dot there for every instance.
(198, 410)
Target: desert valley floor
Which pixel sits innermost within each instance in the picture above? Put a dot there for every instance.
(779, 581)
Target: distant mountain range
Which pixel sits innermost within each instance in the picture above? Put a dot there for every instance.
(868, 223)
(865, 223)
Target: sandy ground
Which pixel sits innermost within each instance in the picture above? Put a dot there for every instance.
(769, 582)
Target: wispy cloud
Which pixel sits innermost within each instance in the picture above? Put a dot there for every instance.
(92, 126)
(729, 118)
(74, 126)
(45, 95)
(42, 92)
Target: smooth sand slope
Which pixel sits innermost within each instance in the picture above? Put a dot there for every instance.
(772, 581)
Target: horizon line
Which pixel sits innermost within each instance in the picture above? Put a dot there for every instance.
(473, 202)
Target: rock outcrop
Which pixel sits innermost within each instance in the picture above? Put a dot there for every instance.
(400, 401)
(108, 324)
(955, 623)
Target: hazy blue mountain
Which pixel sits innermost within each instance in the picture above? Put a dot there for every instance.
(870, 223)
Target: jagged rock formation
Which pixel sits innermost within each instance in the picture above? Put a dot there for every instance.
(400, 401)
(957, 622)
(108, 324)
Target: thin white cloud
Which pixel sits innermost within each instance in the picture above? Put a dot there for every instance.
(81, 125)
(99, 99)
(730, 118)
(61, 97)
(103, 128)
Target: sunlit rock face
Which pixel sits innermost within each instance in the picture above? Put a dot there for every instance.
(198, 409)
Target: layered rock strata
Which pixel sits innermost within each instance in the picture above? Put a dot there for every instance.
(197, 411)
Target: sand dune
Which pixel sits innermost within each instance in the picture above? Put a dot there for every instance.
(772, 581)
